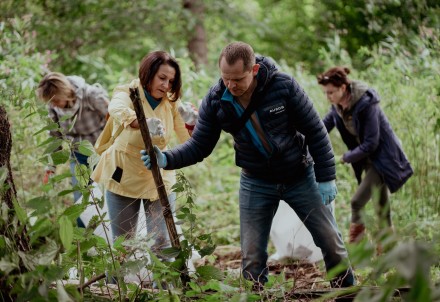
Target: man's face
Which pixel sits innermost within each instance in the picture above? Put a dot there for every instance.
(235, 78)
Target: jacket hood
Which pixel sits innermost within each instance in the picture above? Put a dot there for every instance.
(76, 80)
(357, 90)
(267, 70)
(80, 86)
(363, 95)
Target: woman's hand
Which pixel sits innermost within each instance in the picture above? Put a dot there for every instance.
(155, 126)
(189, 114)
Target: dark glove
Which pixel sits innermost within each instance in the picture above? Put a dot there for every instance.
(161, 158)
(328, 191)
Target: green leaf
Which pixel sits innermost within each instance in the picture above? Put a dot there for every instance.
(86, 245)
(185, 210)
(72, 124)
(65, 192)
(82, 174)
(171, 252)
(42, 228)
(66, 231)
(86, 148)
(43, 256)
(55, 145)
(66, 117)
(60, 157)
(7, 266)
(204, 237)
(218, 286)
(40, 204)
(208, 250)
(62, 295)
(51, 126)
(208, 272)
(21, 214)
(48, 141)
(180, 216)
(74, 211)
(59, 177)
(177, 188)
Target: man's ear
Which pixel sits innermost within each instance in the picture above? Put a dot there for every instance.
(255, 69)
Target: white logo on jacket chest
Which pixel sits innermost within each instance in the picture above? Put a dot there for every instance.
(277, 110)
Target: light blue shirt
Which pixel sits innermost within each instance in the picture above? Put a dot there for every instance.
(228, 97)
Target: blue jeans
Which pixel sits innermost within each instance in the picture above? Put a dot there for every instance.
(124, 213)
(259, 202)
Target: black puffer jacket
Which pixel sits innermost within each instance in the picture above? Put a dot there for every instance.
(290, 123)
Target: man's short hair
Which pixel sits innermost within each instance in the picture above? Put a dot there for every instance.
(238, 51)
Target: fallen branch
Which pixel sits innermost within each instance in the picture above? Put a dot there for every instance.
(94, 279)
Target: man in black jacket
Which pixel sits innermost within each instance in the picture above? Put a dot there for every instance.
(283, 149)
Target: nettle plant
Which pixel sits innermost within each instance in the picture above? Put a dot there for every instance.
(52, 250)
(59, 251)
(94, 259)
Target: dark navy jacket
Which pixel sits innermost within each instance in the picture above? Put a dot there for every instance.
(378, 141)
(287, 116)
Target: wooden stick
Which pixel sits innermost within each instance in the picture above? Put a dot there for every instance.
(163, 197)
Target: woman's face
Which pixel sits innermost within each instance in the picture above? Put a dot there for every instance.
(59, 101)
(162, 81)
(334, 94)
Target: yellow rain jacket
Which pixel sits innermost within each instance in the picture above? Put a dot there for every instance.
(120, 168)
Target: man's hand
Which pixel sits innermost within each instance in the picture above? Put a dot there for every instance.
(161, 158)
(47, 175)
(189, 114)
(328, 191)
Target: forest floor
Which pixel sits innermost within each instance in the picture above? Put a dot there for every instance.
(303, 277)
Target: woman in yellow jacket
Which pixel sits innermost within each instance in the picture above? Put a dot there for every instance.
(127, 182)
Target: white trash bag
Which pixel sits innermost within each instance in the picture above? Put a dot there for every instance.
(291, 238)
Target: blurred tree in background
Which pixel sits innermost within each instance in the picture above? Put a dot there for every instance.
(117, 34)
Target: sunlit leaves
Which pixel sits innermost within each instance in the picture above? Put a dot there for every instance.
(208, 272)
(66, 231)
(86, 148)
(20, 212)
(43, 256)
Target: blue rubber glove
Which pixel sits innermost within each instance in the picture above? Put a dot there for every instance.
(161, 158)
(328, 191)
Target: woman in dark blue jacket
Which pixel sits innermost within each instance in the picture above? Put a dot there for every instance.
(373, 146)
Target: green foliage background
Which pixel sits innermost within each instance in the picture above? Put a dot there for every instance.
(392, 45)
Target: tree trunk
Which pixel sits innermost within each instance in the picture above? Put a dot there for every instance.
(9, 228)
(7, 189)
(8, 192)
(198, 50)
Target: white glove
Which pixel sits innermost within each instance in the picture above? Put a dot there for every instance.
(155, 127)
(189, 113)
